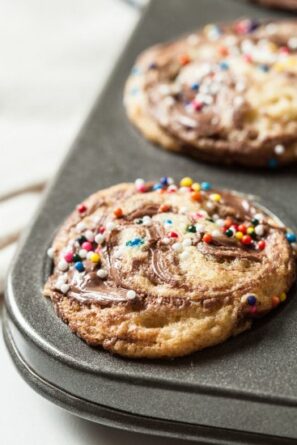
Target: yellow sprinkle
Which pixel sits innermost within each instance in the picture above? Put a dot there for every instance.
(283, 296)
(239, 235)
(196, 187)
(186, 182)
(215, 197)
(95, 257)
(250, 230)
(287, 63)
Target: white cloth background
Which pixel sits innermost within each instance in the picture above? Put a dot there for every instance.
(55, 57)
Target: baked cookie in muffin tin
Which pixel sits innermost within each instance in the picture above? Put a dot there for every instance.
(227, 93)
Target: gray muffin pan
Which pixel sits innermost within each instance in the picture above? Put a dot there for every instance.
(241, 392)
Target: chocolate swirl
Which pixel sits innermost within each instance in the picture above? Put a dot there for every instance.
(163, 254)
(217, 93)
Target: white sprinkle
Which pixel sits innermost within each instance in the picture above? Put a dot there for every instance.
(187, 242)
(50, 252)
(170, 181)
(99, 238)
(216, 233)
(215, 217)
(80, 227)
(294, 246)
(193, 39)
(131, 294)
(147, 221)
(164, 89)
(238, 101)
(259, 217)
(83, 253)
(240, 86)
(198, 237)
(184, 189)
(292, 43)
(279, 149)
(62, 279)
(210, 205)
(63, 265)
(139, 182)
(168, 101)
(271, 28)
(184, 255)
(220, 222)
(89, 235)
(259, 230)
(165, 240)
(89, 254)
(243, 299)
(110, 225)
(177, 247)
(96, 219)
(65, 288)
(200, 228)
(119, 252)
(183, 210)
(102, 273)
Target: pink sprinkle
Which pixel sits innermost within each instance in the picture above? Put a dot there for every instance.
(101, 229)
(253, 310)
(172, 189)
(198, 215)
(248, 58)
(87, 246)
(197, 105)
(284, 50)
(141, 188)
(81, 208)
(68, 257)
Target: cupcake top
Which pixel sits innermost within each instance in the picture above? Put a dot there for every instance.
(228, 92)
(136, 264)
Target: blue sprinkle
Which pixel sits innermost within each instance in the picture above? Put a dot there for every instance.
(291, 237)
(157, 186)
(164, 180)
(79, 266)
(251, 300)
(253, 25)
(265, 68)
(135, 70)
(206, 186)
(152, 66)
(272, 163)
(195, 86)
(135, 242)
(224, 66)
(168, 221)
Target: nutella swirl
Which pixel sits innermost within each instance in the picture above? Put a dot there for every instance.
(171, 244)
(219, 93)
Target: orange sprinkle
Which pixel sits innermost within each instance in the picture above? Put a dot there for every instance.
(118, 213)
(275, 301)
(164, 208)
(196, 196)
(207, 238)
(184, 59)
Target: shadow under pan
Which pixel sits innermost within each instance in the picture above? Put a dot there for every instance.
(243, 391)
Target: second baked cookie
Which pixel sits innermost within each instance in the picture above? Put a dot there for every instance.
(225, 94)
